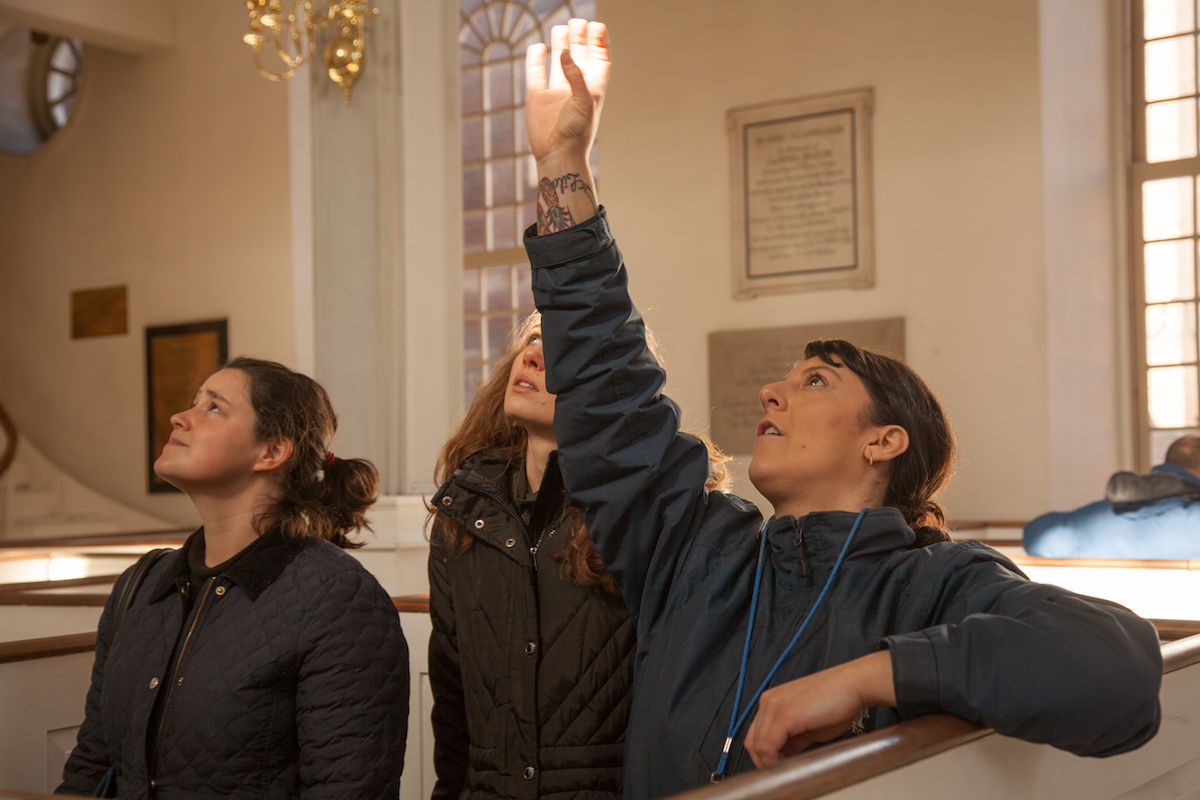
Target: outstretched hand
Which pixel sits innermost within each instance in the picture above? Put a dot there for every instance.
(563, 109)
(818, 707)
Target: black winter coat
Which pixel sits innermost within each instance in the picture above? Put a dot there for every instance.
(969, 635)
(531, 674)
(289, 680)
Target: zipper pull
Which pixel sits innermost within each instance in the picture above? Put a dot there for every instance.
(533, 555)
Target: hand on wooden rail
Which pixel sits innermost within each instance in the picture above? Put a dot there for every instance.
(818, 707)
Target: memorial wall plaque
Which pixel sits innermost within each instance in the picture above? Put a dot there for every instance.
(801, 194)
(742, 362)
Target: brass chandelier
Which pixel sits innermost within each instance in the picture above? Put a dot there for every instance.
(289, 28)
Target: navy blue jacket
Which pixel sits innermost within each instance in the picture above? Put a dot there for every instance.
(968, 633)
(1167, 527)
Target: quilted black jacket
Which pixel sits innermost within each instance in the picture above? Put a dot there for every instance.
(289, 679)
(531, 674)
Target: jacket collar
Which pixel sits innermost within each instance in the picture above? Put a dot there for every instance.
(478, 496)
(819, 537)
(259, 566)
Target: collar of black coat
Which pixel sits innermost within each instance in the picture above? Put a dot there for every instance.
(254, 571)
(821, 535)
(481, 491)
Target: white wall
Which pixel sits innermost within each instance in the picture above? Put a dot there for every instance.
(171, 178)
(958, 198)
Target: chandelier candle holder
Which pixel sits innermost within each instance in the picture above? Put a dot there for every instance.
(289, 28)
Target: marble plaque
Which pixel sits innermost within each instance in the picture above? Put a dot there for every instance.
(801, 191)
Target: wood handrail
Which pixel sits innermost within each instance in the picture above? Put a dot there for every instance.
(418, 603)
(1107, 563)
(33, 586)
(165, 536)
(10, 445)
(47, 647)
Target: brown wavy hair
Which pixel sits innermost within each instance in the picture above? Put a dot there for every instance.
(898, 396)
(322, 496)
(485, 428)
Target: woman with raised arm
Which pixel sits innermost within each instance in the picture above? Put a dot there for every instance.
(260, 660)
(531, 655)
(849, 609)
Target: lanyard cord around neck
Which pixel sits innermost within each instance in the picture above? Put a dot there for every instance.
(735, 721)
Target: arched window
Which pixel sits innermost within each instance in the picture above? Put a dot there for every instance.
(39, 75)
(499, 179)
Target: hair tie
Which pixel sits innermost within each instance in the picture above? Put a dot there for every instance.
(328, 461)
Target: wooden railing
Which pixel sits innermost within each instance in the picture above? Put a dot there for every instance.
(843, 764)
(10, 444)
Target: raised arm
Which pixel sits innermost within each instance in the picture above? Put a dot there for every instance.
(561, 116)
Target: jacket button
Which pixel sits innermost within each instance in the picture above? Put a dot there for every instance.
(220, 590)
(478, 524)
(510, 542)
(529, 773)
(530, 647)
(551, 532)
(154, 683)
(446, 500)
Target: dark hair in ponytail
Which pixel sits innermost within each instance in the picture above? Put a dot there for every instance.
(322, 495)
(899, 397)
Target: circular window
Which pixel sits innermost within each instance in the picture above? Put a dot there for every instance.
(39, 76)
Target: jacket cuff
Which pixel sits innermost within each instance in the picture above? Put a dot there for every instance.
(573, 244)
(914, 674)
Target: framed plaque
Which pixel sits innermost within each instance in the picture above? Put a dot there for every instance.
(178, 360)
(801, 192)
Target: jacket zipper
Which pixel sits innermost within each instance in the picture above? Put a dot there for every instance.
(162, 717)
(504, 505)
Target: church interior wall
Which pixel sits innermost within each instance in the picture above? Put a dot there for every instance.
(172, 179)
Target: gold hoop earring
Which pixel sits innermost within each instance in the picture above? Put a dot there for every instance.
(871, 460)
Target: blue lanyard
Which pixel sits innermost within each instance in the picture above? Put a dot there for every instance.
(735, 721)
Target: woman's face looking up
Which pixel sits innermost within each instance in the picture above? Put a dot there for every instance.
(526, 400)
(213, 442)
(813, 443)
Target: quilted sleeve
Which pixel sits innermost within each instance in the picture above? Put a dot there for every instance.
(352, 692)
(451, 738)
(91, 757)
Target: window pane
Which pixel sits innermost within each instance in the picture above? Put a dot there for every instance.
(472, 91)
(501, 182)
(472, 351)
(1171, 334)
(498, 328)
(62, 111)
(1165, 17)
(528, 217)
(527, 179)
(471, 291)
(1167, 208)
(500, 134)
(472, 176)
(499, 84)
(472, 377)
(1161, 440)
(58, 86)
(1170, 271)
(64, 58)
(1171, 130)
(1171, 68)
(1172, 398)
(497, 291)
(474, 232)
(524, 277)
(502, 225)
(472, 139)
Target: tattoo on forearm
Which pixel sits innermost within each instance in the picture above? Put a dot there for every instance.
(552, 215)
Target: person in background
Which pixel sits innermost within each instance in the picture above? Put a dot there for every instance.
(850, 609)
(260, 660)
(1156, 515)
(531, 655)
